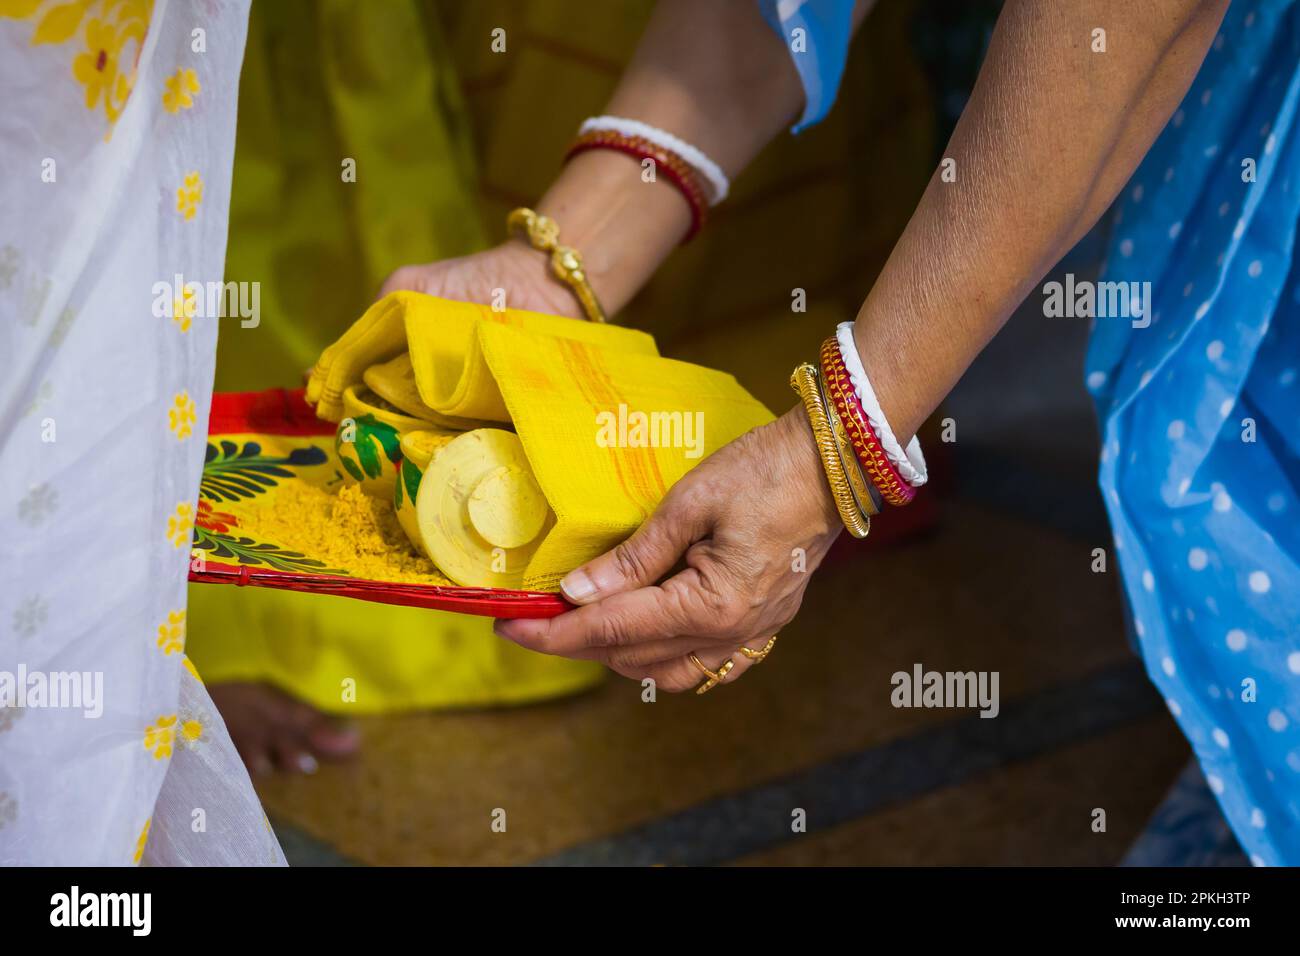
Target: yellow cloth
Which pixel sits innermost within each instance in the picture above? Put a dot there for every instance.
(565, 385)
(563, 392)
(441, 338)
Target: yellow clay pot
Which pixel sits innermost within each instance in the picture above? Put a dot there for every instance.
(480, 511)
(368, 440)
(418, 449)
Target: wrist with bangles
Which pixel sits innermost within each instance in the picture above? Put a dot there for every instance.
(543, 234)
(696, 177)
(864, 463)
(699, 180)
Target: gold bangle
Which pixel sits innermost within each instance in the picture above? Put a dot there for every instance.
(804, 381)
(865, 495)
(543, 234)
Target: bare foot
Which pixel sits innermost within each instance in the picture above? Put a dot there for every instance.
(272, 730)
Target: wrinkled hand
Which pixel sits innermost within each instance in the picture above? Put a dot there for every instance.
(523, 273)
(736, 520)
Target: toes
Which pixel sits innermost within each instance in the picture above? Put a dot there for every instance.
(332, 740)
(292, 712)
(306, 763)
(260, 765)
(292, 757)
(256, 757)
(322, 735)
(272, 729)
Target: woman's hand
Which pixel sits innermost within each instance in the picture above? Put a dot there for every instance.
(513, 269)
(751, 523)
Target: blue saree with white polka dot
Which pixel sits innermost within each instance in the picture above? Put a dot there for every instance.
(1200, 415)
(1200, 407)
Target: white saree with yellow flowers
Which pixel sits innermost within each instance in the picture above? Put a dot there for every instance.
(116, 142)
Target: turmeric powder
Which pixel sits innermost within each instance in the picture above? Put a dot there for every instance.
(344, 528)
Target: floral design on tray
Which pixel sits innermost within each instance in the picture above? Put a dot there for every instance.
(231, 473)
(234, 473)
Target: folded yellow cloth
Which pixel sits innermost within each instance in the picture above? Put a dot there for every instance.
(607, 433)
(607, 423)
(441, 338)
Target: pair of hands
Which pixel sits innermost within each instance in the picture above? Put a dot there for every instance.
(724, 560)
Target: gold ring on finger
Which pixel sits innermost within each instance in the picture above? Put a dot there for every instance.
(712, 678)
(757, 656)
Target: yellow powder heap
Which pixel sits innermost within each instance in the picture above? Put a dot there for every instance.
(347, 530)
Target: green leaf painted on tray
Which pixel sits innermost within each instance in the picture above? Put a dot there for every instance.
(352, 469)
(231, 473)
(245, 550)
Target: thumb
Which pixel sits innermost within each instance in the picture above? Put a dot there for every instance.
(642, 559)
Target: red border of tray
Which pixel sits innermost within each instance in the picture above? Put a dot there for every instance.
(281, 411)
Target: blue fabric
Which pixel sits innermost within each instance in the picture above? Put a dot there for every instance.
(818, 52)
(1207, 524)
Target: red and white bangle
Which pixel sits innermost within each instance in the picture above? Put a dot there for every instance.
(867, 447)
(680, 173)
(910, 463)
(714, 178)
(869, 455)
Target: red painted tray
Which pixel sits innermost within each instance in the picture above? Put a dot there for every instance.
(260, 443)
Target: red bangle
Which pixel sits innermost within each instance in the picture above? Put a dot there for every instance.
(875, 463)
(679, 172)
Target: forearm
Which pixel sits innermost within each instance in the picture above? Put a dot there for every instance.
(1051, 133)
(713, 74)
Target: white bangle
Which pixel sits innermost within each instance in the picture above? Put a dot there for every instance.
(910, 464)
(711, 171)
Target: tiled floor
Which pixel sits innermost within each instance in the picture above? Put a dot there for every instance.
(1018, 599)
(1037, 812)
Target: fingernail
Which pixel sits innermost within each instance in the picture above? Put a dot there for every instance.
(307, 763)
(578, 586)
